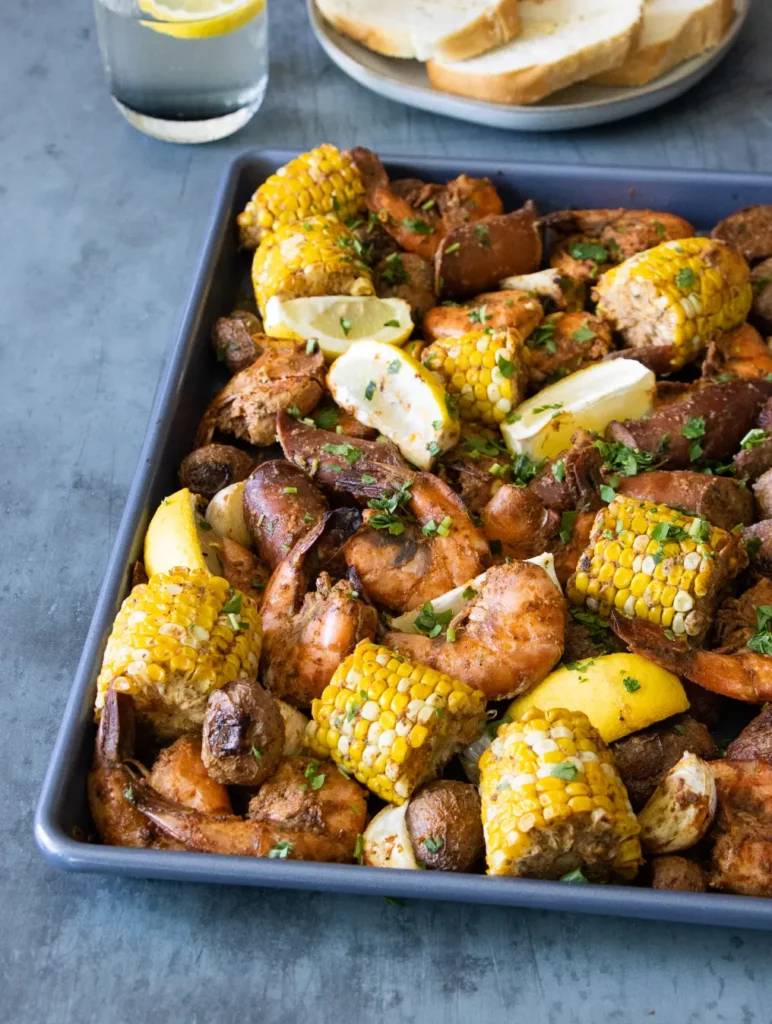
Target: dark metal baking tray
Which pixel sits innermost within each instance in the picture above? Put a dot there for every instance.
(185, 386)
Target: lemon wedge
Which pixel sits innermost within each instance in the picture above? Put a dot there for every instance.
(542, 426)
(179, 535)
(384, 387)
(336, 321)
(457, 599)
(199, 19)
(619, 693)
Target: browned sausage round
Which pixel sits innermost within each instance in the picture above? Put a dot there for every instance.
(719, 499)
(281, 505)
(749, 230)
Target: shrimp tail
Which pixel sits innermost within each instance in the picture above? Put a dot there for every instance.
(650, 642)
(116, 733)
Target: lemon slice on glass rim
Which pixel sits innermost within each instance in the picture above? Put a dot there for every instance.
(199, 19)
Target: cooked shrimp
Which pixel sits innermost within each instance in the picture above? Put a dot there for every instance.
(467, 467)
(622, 232)
(564, 343)
(241, 568)
(307, 635)
(735, 620)
(247, 405)
(507, 639)
(288, 819)
(568, 552)
(179, 774)
(110, 783)
(513, 310)
(517, 520)
(740, 674)
(740, 353)
(405, 560)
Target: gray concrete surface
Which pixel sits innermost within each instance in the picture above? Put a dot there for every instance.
(99, 229)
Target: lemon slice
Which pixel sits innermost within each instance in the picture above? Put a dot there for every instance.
(619, 693)
(336, 321)
(178, 535)
(542, 426)
(199, 19)
(457, 599)
(384, 387)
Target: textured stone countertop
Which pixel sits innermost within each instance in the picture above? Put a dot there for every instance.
(100, 229)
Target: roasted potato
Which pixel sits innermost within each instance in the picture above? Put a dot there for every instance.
(243, 738)
(234, 339)
(645, 757)
(755, 741)
(209, 469)
(677, 874)
(445, 825)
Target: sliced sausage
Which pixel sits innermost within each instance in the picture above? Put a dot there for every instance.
(719, 499)
(749, 230)
(281, 505)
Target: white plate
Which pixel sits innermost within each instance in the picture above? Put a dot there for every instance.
(579, 106)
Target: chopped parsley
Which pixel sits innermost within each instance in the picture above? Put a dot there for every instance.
(506, 367)
(311, 346)
(314, 776)
(359, 848)
(391, 323)
(685, 278)
(328, 418)
(574, 877)
(345, 325)
(478, 446)
(559, 470)
(678, 730)
(761, 641)
(752, 545)
(468, 593)
(668, 531)
(453, 248)
(257, 753)
(607, 493)
(566, 771)
(349, 452)
(525, 469)
(544, 337)
(631, 684)
(394, 272)
(567, 520)
(482, 234)
(289, 490)
(418, 226)
(754, 438)
(694, 427)
(659, 227)
(233, 605)
(545, 408)
(584, 334)
(390, 510)
(589, 251)
(478, 316)
(281, 850)
(370, 391)
(619, 458)
(432, 623)
(434, 844)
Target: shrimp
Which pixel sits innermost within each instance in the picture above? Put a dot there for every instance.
(564, 343)
(741, 674)
(568, 552)
(503, 310)
(110, 783)
(621, 233)
(179, 774)
(741, 353)
(420, 545)
(307, 635)
(516, 520)
(507, 639)
(287, 819)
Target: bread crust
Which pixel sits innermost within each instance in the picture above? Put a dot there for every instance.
(494, 26)
(529, 85)
(703, 29)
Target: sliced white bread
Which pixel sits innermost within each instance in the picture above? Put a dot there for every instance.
(672, 32)
(560, 42)
(422, 29)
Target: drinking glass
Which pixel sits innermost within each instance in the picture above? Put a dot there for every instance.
(185, 70)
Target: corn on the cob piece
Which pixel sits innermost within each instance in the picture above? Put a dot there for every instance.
(175, 639)
(324, 181)
(656, 563)
(679, 293)
(393, 723)
(553, 801)
(484, 368)
(314, 257)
